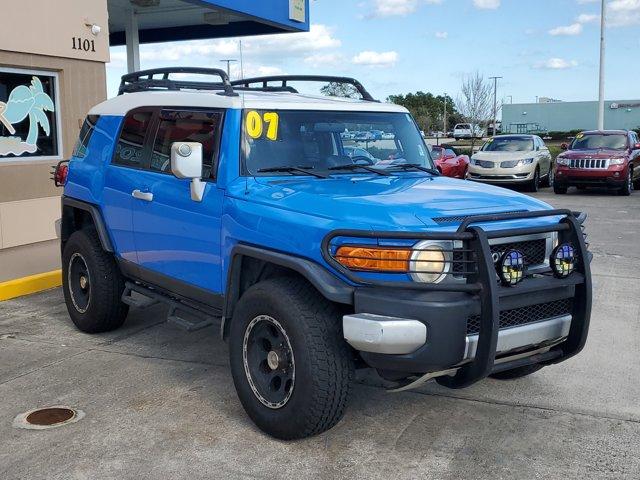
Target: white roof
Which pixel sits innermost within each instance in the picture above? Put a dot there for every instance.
(121, 104)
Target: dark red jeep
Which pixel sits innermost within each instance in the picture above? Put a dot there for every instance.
(600, 158)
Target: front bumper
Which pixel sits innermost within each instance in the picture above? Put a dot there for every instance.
(520, 174)
(614, 177)
(438, 338)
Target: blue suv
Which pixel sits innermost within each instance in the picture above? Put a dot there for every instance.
(242, 204)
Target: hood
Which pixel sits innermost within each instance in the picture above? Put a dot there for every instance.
(594, 153)
(501, 156)
(389, 203)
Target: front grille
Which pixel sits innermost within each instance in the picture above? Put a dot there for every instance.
(589, 163)
(484, 163)
(534, 251)
(525, 315)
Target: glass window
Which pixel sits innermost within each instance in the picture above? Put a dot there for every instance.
(130, 146)
(89, 125)
(592, 141)
(187, 126)
(28, 115)
(450, 153)
(320, 140)
(509, 144)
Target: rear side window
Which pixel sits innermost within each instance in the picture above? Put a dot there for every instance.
(89, 125)
(130, 146)
(187, 126)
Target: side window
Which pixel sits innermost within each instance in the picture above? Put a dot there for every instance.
(89, 125)
(130, 146)
(187, 126)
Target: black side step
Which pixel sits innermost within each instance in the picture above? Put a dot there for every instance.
(181, 314)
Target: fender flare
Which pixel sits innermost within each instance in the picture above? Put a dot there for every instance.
(68, 205)
(327, 284)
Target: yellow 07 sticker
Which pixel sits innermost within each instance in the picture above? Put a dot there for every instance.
(255, 124)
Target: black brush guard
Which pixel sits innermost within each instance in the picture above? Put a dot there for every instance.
(483, 283)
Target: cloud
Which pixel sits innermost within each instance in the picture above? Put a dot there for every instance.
(325, 60)
(395, 8)
(376, 59)
(587, 18)
(623, 13)
(486, 4)
(556, 64)
(442, 35)
(573, 29)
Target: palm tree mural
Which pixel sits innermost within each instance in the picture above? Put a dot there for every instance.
(25, 102)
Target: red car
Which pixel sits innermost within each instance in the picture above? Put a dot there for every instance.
(449, 162)
(600, 158)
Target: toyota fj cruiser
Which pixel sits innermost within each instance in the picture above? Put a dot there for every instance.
(237, 201)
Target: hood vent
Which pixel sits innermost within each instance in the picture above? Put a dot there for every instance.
(462, 218)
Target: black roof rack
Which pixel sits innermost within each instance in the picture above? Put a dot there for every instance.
(245, 83)
(145, 80)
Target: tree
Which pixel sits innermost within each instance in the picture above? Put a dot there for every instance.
(428, 109)
(336, 89)
(475, 101)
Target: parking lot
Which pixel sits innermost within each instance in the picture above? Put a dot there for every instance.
(160, 402)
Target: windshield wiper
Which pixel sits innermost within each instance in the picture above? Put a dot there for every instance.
(290, 169)
(354, 166)
(415, 166)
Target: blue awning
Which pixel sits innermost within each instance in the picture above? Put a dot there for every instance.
(172, 20)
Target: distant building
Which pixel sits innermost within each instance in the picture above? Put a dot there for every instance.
(566, 116)
(548, 100)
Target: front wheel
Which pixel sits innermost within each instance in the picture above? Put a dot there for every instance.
(291, 366)
(534, 185)
(628, 185)
(559, 190)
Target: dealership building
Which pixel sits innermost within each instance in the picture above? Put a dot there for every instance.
(52, 71)
(557, 116)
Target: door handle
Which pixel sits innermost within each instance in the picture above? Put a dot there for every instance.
(140, 195)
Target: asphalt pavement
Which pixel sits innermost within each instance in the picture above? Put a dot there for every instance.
(160, 403)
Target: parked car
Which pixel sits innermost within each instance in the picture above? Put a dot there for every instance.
(310, 264)
(606, 158)
(359, 155)
(513, 160)
(449, 163)
(467, 130)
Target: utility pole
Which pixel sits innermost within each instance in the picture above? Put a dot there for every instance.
(495, 103)
(229, 60)
(444, 120)
(603, 22)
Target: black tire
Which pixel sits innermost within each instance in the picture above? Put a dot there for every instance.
(582, 188)
(95, 303)
(626, 190)
(322, 361)
(558, 189)
(547, 181)
(534, 184)
(516, 372)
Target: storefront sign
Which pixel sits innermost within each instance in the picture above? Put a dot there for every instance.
(297, 10)
(29, 117)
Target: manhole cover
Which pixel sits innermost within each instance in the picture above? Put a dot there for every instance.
(49, 417)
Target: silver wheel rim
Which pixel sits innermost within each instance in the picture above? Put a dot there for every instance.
(248, 367)
(70, 278)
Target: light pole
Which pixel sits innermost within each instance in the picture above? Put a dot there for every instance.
(510, 97)
(229, 60)
(495, 103)
(601, 80)
(444, 120)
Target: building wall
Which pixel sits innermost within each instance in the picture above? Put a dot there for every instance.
(566, 116)
(29, 202)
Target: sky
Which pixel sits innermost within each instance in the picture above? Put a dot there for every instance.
(544, 48)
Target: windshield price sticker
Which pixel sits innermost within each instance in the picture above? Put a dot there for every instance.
(255, 125)
(579, 136)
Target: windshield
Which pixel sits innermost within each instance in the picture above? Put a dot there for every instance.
(321, 141)
(508, 144)
(595, 141)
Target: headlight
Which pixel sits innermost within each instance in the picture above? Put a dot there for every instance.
(617, 161)
(511, 267)
(431, 261)
(563, 260)
(472, 161)
(563, 161)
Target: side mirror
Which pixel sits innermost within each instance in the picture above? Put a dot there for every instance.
(564, 146)
(636, 146)
(186, 162)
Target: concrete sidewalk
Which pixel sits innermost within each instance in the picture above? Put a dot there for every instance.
(160, 402)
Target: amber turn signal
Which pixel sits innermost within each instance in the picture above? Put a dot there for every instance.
(391, 260)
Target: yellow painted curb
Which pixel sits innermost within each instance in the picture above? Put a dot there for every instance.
(32, 284)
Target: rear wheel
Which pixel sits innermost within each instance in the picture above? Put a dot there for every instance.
(516, 372)
(92, 284)
(291, 366)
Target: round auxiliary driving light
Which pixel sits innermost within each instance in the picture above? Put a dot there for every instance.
(511, 267)
(563, 260)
